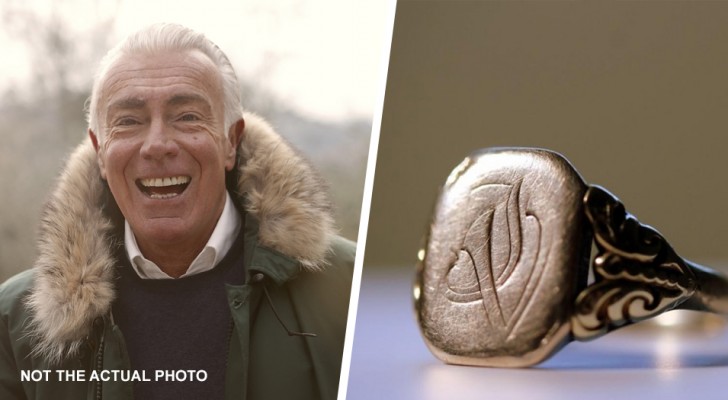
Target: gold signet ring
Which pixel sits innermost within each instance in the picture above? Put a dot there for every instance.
(503, 277)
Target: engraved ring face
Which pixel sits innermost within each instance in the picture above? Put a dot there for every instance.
(506, 252)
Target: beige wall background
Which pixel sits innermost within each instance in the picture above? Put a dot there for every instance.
(634, 94)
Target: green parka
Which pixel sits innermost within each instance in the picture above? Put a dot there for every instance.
(57, 316)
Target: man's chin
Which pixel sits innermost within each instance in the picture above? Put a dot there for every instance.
(163, 231)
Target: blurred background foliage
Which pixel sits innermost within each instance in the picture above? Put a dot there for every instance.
(42, 119)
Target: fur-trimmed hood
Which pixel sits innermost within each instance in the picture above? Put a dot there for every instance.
(74, 271)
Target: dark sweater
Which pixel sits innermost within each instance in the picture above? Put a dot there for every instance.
(179, 324)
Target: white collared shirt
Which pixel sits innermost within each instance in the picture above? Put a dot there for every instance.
(221, 240)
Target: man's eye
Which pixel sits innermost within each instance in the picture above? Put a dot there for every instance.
(189, 117)
(126, 121)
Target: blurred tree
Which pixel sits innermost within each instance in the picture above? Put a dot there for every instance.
(42, 119)
(62, 55)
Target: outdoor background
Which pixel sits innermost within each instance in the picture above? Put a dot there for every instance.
(312, 68)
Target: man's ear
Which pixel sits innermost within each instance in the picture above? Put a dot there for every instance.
(235, 136)
(99, 157)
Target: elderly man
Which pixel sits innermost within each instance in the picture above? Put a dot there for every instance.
(187, 251)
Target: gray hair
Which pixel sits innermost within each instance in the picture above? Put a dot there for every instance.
(166, 37)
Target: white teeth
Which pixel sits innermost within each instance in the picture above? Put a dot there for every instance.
(163, 196)
(162, 182)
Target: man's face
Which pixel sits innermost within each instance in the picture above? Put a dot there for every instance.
(166, 150)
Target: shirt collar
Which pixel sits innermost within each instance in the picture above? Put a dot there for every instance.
(221, 240)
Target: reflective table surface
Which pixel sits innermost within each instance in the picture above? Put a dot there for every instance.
(389, 359)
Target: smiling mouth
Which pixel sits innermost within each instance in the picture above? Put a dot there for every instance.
(163, 188)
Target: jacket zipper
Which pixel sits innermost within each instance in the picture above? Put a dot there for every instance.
(100, 362)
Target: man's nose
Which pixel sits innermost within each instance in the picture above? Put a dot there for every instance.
(159, 141)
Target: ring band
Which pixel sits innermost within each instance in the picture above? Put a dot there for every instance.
(503, 277)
